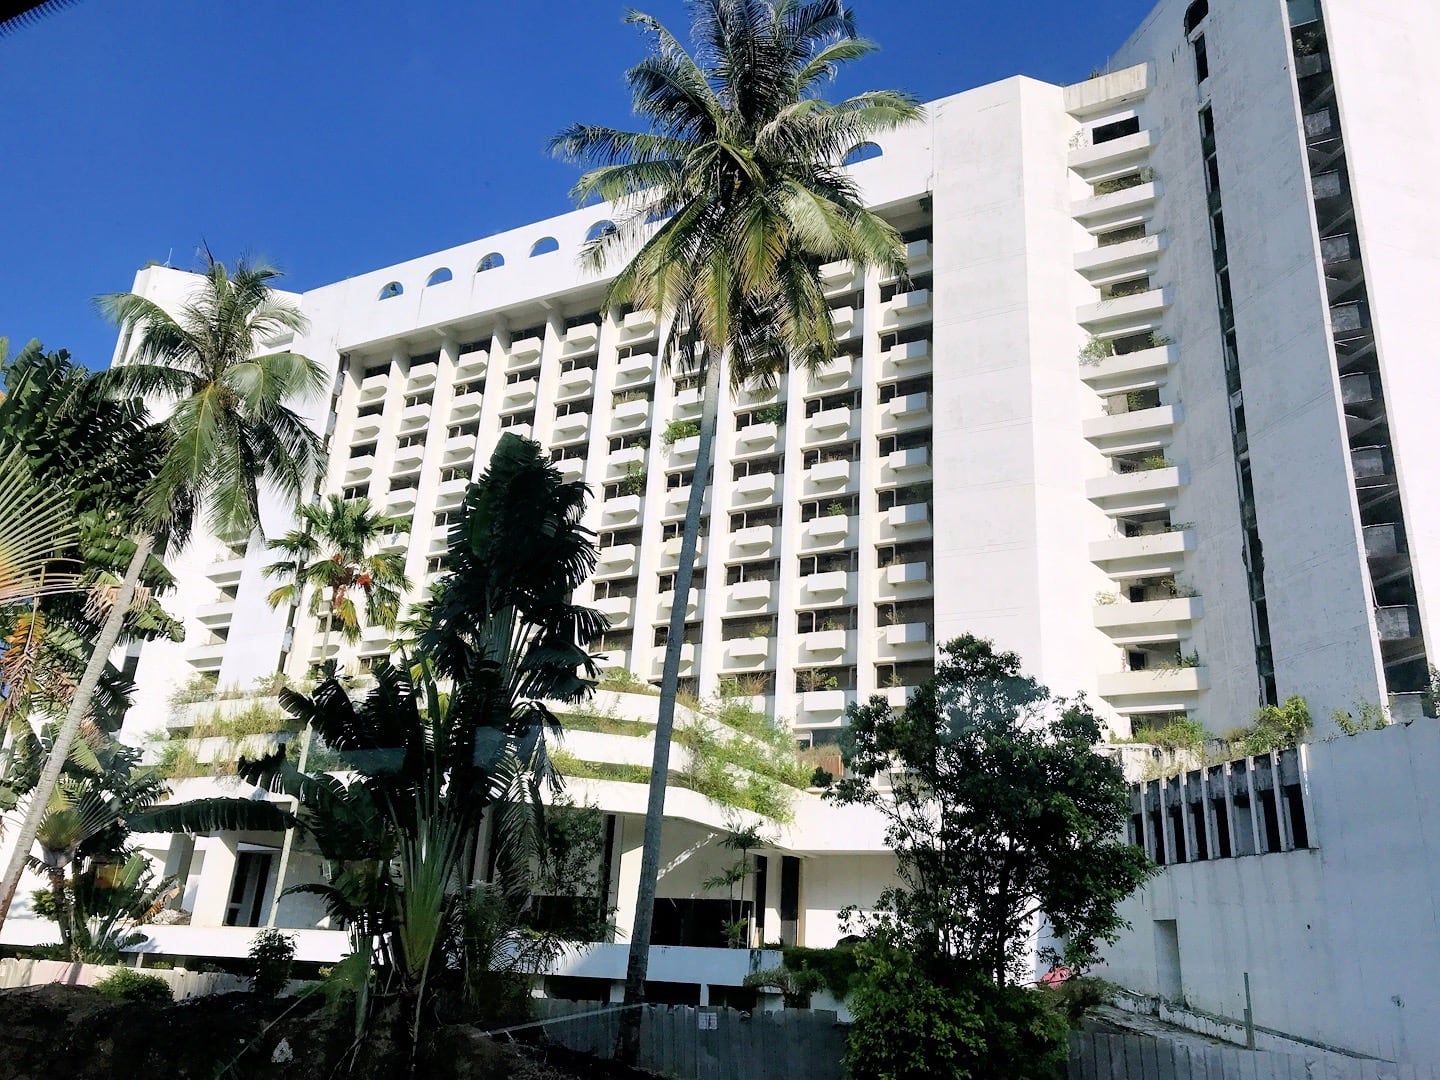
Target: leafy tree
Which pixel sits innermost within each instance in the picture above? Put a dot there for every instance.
(999, 811)
(741, 164)
(227, 430)
(333, 555)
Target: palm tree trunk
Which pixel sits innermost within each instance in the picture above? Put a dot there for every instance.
(639, 962)
(79, 707)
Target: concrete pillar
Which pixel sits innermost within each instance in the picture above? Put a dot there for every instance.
(217, 876)
(629, 834)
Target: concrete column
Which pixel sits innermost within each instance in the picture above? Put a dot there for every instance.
(216, 878)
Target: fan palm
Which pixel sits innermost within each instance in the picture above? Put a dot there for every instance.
(227, 430)
(332, 554)
(742, 164)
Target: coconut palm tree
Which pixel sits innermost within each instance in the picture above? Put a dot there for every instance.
(741, 165)
(227, 429)
(332, 554)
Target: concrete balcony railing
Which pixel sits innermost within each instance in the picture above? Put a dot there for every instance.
(826, 645)
(836, 277)
(459, 449)
(687, 661)
(752, 541)
(415, 418)
(1147, 621)
(822, 706)
(407, 459)
(828, 425)
(827, 531)
(907, 636)
(472, 363)
(359, 469)
(750, 595)
(1115, 156)
(619, 462)
(574, 384)
(366, 427)
(1154, 689)
(572, 427)
(903, 359)
(831, 475)
(757, 487)
(520, 395)
(571, 468)
(1397, 622)
(1114, 260)
(525, 351)
(682, 450)
(757, 437)
(912, 516)
(666, 601)
(1141, 370)
(905, 412)
(466, 405)
(638, 324)
(747, 653)
(373, 389)
(918, 256)
(220, 613)
(629, 415)
(1126, 205)
(1155, 555)
(422, 375)
(450, 493)
(394, 542)
(838, 370)
(1149, 489)
(1124, 313)
(616, 560)
(1384, 541)
(905, 576)
(847, 323)
(906, 462)
(833, 587)
(689, 403)
(905, 309)
(620, 511)
(206, 657)
(1133, 432)
(635, 368)
(620, 610)
(581, 337)
(670, 551)
(401, 500)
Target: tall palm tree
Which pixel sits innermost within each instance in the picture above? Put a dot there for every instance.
(742, 165)
(333, 555)
(226, 429)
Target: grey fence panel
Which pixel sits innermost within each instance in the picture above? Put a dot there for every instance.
(1099, 1056)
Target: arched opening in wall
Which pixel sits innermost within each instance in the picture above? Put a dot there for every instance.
(599, 229)
(394, 288)
(544, 246)
(490, 262)
(1195, 13)
(862, 152)
(440, 276)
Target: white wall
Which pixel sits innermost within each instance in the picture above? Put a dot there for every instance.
(1339, 940)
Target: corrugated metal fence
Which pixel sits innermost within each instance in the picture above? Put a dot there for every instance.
(1135, 1057)
(716, 1044)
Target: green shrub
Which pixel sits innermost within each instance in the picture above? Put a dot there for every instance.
(127, 984)
(838, 967)
(1277, 727)
(272, 955)
(1079, 994)
(679, 429)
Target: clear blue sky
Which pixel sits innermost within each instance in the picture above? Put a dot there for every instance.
(337, 136)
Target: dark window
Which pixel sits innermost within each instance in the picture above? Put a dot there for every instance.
(1195, 14)
(1202, 61)
(1118, 130)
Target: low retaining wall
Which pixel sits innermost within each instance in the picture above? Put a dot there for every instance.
(183, 984)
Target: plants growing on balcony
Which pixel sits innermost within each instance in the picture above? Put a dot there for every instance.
(676, 430)
(1096, 349)
(770, 414)
(836, 509)
(633, 482)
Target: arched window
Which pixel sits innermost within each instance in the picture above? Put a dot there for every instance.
(440, 276)
(599, 229)
(862, 152)
(392, 289)
(490, 262)
(544, 246)
(1195, 13)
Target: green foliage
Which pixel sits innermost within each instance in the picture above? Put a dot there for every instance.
(1180, 733)
(256, 719)
(983, 751)
(910, 1025)
(272, 956)
(127, 984)
(839, 967)
(795, 986)
(1095, 350)
(1368, 716)
(633, 482)
(1276, 727)
(1154, 461)
(606, 724)
(1079, 995)
(620, 681)
(770, 414)
(676, 430)
(199, 687)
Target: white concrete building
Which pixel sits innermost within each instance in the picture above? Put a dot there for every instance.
(1151, 411)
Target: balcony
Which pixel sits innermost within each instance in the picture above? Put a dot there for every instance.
(918, 255)
(906, 636)
(620, 610)
(219, 613)
(472, 363)
(828, 530)
(907, 461)
(439, 540)
(393, 543)
(422, 375)
(749, 595)
(829, 587)
(1384, 541)
(904, 309)
(677, 501)
(757, 437)
(902, 359)
(638, 324)
(1154, 555)
(1372, 466)
(206, 658)
(818, 704)
(1399, 622)
(688, 403)
(1133, 432)
(616, 560)
(687, 661)
(847, 323)
(467, 405)
(525, 351)
(1153, 689)
(747, 652)
(752, 541)
(401, 501)
(571, 468)
(666, 601)
(1124, 313)
(572, 427)
(670, 551)
(756, 487)
(407, 459)
(1118, 259)
(372, 388)
(520, 395)
(901, 575)
(1128, 623)
(831, 475)
(581, 337)
(620, 511)
(459, 449)
(682, 450)
(912, 516)
(629, 415)
(836, 371)
(620, 461)
(359, 469)
(828, 424)
(1094, 162)
(1118, 206)
(415, 416)
(366, 427)
(449, 495)
(1137, 492)
(905, 412)
(1140, 370)
(575, 384)
(825, 645)
(836, 277)
(636, 368)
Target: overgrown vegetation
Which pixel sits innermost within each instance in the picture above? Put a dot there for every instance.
(1276, 727)
(127, 984)
(676, 430)
(272, 958)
